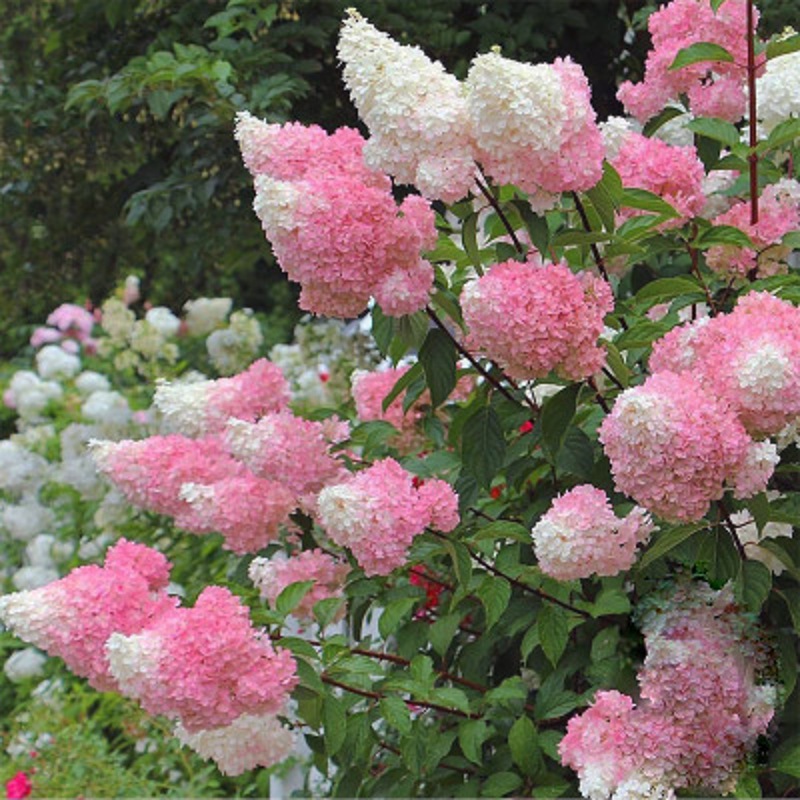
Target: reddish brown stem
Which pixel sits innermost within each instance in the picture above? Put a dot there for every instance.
(752, 111)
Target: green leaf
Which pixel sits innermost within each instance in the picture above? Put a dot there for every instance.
(334, 721)
(557, 413)
(698, 52)
(641, 334)
(576, 456)
(472, 733)
(747, 786)
(483, 446)
(290, 597)
(783, 46)
(604, 204)
(442, 632)
(653, 124)
(552, 700)
(500, 784)
(718, 129)
(611, 601)
(663, 289)
(718, 554)
(668, 539)
(579, 237)
(412, 330)
(297, 646)
(647, 201)
(551, 623)
(504, 529)
(753, 585)
(721, 235)
(416, 371)
(791, 239)
(462, 562)
(535, 224)
(522, 741)
(326, 611)
(788, 762)
(469, 238)
(782, 134)
(396, 713)
(438, 358)
(616, 363)
(389, 621)
(494, 593)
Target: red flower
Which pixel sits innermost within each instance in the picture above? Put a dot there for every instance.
(526, 426)
(18, 787)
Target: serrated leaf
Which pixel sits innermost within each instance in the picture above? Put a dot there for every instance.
(611, 601)
(699, 52)
(451, 697)
(494, 593)
(483, 445)
(557, 413)
(290, 597)
(653, 124)
(576, 456)
(663, 289)
(714, 128)
(334, 721)
(414, 373)
(753, 585)
(503, 529)
(783, 46)
(536, 225)
(500, 784)
(298, 647)
(389, 620)
(551, 623)
(603, 202)
(438, 358)
(308, 677)
(643, 200)
(472, 733)
(641, 334)
(327, 610)
(524, 746)
(668, 539)
(616, 363)
(442, 632)
(396, 713)
(721, 235)
(718, 554)
(782, 134)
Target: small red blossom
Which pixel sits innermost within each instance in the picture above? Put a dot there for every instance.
(416, 482)
(497, 491)
(324, 376)
(432, 589)
(526, 426)
(18, 787)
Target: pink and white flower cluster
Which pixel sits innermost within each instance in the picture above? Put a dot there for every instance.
(538, 317)
(701, 708)
(580, 535)
(205, 666)
(716, 90)
(333, 223)
(699, 423)
(377, 513)
(527, 124)
(70, 326)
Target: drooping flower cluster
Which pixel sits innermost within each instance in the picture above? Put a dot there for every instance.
(73, 617)
(203, 407)
(673, 447)
(748, 359)
(713, 90)
(674, 173)
(580, 535)
(377, 513)
(205, 666)
(700, 712)
(415, 111)
(778, 213)
(333, 223)
(538, 317)
(272, 575)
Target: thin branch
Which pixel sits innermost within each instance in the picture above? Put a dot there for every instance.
(487, 193)
(601, 401)
(752, 112)
(598, 259)
(731, 528)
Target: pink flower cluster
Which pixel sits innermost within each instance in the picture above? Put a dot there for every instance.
(18, 787)
(533, 124)
(714, 90)
(204, 665)
(378, 512)
(778, 214)
(334, 225)
(70, 325)
(701, 709)
(674, 173)
(673, 447)
(580, 535)
(749, 360)
(202, 408)
(272, 575)
(73, 617)
(536, 317)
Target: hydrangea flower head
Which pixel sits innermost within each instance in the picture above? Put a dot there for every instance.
(73, 617)
(673, 446)
(204, 665)
(378, 512)
(580, 535)
(415, 111)
(536, 317)
(534, 125)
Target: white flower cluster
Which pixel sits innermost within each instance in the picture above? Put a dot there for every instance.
(415, 110)
(778, 92)
(233, 348)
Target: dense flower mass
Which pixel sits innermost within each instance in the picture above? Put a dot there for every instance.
(204, 665)
(538, 317)
(73, 617)
(534, 125)
(272, 575)
(701, 706)
(674, 173)
(378, 512)
(778, 92)
(778, 213)
(580, 535)
(748, 359)
(334, 225)
(415, 111)
(203, 407)
(673, 447)
(713, 90)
